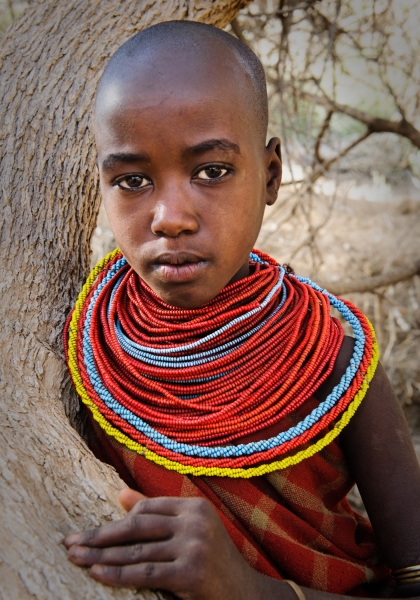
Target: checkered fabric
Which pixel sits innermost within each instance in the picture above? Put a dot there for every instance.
(293, 524)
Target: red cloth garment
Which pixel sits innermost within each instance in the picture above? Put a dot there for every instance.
(290, 524)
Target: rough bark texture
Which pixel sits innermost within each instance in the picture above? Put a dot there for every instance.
(50, 484)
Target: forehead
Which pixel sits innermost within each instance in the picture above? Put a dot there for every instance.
(170, 86)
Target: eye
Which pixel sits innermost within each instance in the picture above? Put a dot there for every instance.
(132, 182)
(212, 172)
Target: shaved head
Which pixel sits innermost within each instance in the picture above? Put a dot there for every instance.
(184, 167)
(196, 51)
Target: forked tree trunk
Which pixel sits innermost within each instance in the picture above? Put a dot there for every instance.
(50, 484)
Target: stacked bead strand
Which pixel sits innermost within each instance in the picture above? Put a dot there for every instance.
(181, 386)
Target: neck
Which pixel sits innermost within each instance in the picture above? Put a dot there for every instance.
(243, 272)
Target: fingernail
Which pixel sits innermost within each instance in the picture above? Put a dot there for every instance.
(96, 570)
(72, 554)
(75, 551)
(71, 539)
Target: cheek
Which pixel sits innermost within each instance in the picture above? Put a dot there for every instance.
(244, 210)
(128, 221)
(236, 228)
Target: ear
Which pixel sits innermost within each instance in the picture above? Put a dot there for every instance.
(274, 169)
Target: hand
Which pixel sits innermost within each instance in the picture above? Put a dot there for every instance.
(176, 544)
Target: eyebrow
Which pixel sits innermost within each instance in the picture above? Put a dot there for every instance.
(123, 157)
(207, 145)
(129, 158)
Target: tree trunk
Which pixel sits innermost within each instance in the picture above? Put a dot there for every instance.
(51, 59)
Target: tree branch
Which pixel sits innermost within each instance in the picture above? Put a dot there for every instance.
(321, 134)
(237, 30)
(374, 124)
(285, 10)
(326, 165)
(370, 284)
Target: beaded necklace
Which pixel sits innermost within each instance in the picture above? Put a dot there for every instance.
(181, 386)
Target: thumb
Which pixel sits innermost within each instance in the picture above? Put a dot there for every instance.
(128, 498)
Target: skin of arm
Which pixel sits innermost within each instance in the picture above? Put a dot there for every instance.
(382, 460)
(180, 544)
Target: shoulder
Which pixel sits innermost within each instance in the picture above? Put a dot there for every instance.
(340, 366)
(379, 402)
(379, 416)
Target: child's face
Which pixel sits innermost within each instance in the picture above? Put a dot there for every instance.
(184, 175)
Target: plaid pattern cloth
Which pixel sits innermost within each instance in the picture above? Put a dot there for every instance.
(293, 524)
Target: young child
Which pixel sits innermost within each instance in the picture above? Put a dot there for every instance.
(217, 382)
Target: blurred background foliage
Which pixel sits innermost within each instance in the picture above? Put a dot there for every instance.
(9, 10)
(344, 92)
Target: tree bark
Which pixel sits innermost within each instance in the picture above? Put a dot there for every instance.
(51, 59)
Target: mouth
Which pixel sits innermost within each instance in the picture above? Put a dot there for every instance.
(179, 267)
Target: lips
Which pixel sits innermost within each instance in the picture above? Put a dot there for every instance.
(179, 267)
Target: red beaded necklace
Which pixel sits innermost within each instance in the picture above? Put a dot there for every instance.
(203, 378)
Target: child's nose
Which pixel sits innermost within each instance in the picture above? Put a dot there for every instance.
(174, 215)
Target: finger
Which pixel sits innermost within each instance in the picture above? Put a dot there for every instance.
(84, 556)
(167, 505)
(133, 528)
(128, 498)
(146, 575)
(71, 539)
